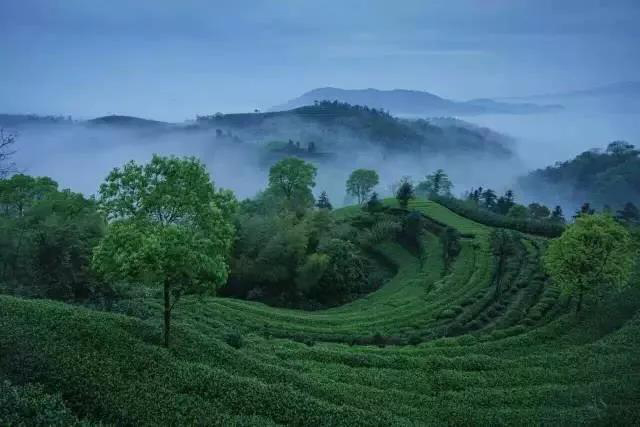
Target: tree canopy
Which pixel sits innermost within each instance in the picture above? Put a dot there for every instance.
(293, 179)
(361, 183)
(405, 192)
(435, 184)
(46, 239)
(593, 254)
(169, 227)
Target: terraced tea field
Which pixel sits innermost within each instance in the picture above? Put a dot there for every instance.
(463, 346)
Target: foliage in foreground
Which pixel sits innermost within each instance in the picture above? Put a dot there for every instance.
(46, 240)
(169, 228)
(593, 254)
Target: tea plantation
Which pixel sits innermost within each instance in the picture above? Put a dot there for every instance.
(462, 345)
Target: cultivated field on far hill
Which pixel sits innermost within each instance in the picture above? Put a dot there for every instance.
(432, 346)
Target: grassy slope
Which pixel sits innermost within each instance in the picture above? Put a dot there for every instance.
(521, 358)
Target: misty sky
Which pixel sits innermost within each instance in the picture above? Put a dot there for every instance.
(173, 59)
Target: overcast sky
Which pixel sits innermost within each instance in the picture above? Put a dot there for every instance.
(171, 60)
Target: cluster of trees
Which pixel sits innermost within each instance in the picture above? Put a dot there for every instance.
(606, 178)
(505, 205)
(290, 251)
(162, 224)
(435, 184)
(46, 240)
(595, 255)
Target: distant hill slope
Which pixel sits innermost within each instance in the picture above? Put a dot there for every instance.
(17, 120)
(341, 125)
(400, 101)
(126, 121)
(619, 97)
(319, 131)
(604, 178)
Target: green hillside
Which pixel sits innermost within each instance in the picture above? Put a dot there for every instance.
(432, 346)
(339, 126)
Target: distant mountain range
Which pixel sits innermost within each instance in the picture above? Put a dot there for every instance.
(413, 102)
(619, 97)
(626, 89)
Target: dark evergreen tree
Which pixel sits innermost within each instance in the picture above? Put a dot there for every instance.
(323, 201)
(489, 198)
(504, 203)
(405, 193)
(557, 215)
(585, 209)
(629, 213)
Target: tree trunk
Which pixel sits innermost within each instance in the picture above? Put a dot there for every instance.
(579, 306)
(499, 277)
(167, 314)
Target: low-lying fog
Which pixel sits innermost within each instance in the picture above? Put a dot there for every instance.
(543, 139)
(79, 157)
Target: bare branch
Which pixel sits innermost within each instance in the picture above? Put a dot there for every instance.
(6, 152)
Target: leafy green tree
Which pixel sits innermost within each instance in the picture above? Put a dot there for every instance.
(518, 211)
(20, 192)
(168, 227)
(293, 179)
(405, 193)
(593, 253)
(435, 184)
(338, 269)
(46, 239)
(269, 249)
(538, 211)
(361, 182)
(323, 201)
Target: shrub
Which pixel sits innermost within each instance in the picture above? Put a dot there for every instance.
(30, 405)
(483, 216)
(379, 340)
(234, 339)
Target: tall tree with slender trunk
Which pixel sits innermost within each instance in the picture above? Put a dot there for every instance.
(168, 227)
